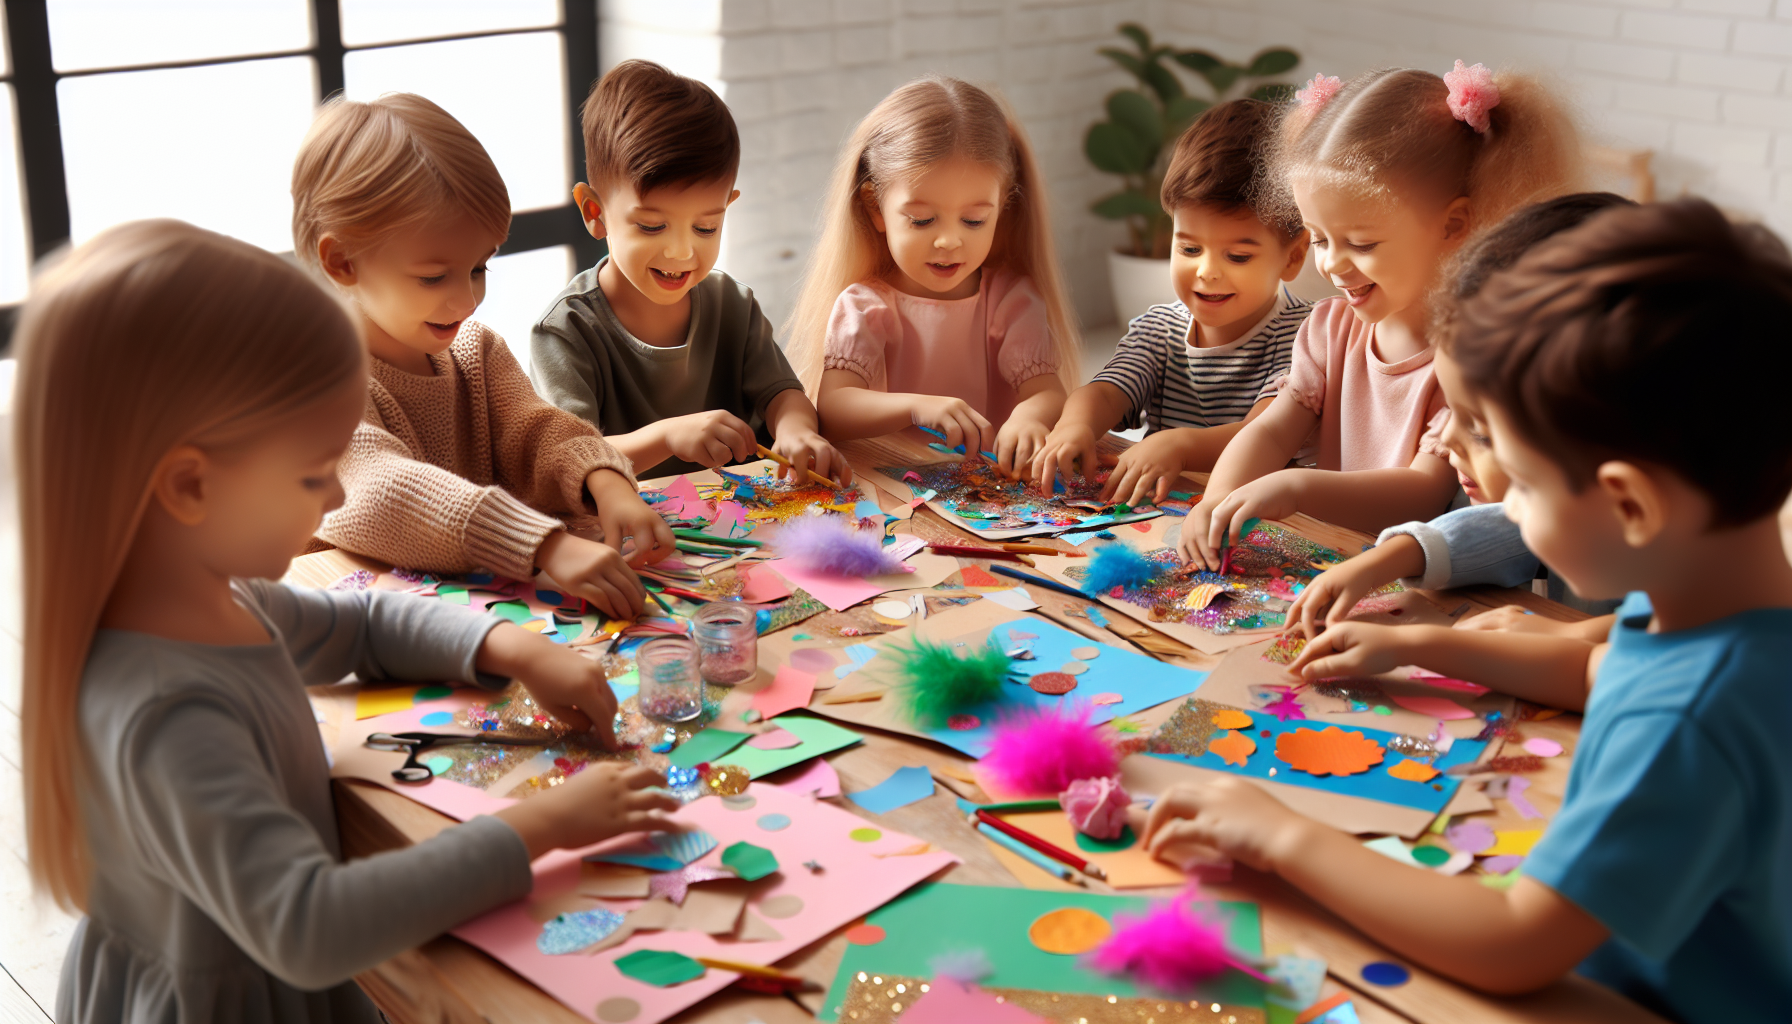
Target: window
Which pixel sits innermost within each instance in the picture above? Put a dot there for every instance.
(114, 110)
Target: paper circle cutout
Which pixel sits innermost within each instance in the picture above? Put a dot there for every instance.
(1430, 856)
(435, 718)
(1231, 718)
(1094, 845)
(864, 835)
(813, 659)
(439, 764)
(779, 908)
(1542, 746)
(617, 1009)
(1085, 653)
(740, 802)
(1385, 974)
(963, 723)
(1107, 698)
(774, 822)
(1069, 931)
(893, 609)
(1073, 668)
(1054, 683)
(864, 935)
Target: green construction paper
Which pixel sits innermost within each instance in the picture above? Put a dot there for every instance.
(936, 917)
(818, 735)
(515, 611)
(661, 968)
(1430, 856)
(1094, 845)
(750, 862)
(706, 747)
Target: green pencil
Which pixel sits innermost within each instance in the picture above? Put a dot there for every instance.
(710, 538)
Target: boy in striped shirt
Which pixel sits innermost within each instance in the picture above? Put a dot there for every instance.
(1196, 370)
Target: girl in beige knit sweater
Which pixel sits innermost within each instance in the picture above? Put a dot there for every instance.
(457, 464)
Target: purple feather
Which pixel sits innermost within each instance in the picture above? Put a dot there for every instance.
(831, 544)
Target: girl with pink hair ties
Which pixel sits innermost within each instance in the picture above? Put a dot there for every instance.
(1390, 173)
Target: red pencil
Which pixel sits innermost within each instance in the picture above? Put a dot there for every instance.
(974, 551)
(1050, 850)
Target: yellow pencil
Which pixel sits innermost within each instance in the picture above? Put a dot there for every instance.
(753, 969)
(814, 477)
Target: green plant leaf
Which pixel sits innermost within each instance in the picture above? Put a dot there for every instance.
(1125, 60)
(1222, 77)
(1131, 203)
(1198, 61)
(1134, 111)
(1272, 62)
(1115, 149)
(1137, 33)
(1274, 92)
(1163, 81)
(1179, 112)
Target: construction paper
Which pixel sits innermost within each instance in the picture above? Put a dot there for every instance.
(1437, 707)
(938, 917)
(569, 933)
(676, 885)
(660, 851)
(842, 592)
(903, 787)
(1328, 751)
(711, 910)
(730, 520)
(659, 967)
(749, 862)
(1517, 842)
(1392, 847)
(790, 689)
(819, 779)
(1413, 771)
(1542, 746)
(1016, 600)
(706, 747)
(384, 700)
(1233, 747)
(612, 881)
(754, 928)
(775, 738)
(1470, 836)
(1515, 796)
(948, 1002)
(856, 880)
(817, 736)
(1130, 867)
(764, 586)
(681, 501)
(1069, 931)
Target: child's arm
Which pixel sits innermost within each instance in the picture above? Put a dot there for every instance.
(1551, 670)
(713, 438)
(796, 435)
(1261, 447)
(1150, 470)
(1503, 941)
(1328, 599)
(851, 409)
(1512, 618)
(1041, 403)
(1091, 411)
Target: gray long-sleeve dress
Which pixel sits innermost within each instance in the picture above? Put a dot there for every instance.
(219, 891)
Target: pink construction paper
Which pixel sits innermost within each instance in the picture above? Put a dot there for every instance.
(774, 739)
(1443, 683)
(1521, 803)
(1436, 707)
(1471, 836)
(854, 880)
(353, 760)
(837, 592)
(682, 501)
(948, 1002)
(817, 777)
(791, 689)
(763, 586)
(730, 520)
(1542, 746)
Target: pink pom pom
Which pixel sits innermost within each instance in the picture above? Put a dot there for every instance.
(831, 544)
(1039, 753)
(1171, 948)
(1097, 807)
(1319, 91)
(1472, 95)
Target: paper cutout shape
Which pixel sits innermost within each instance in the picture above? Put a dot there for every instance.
(1070, 931)
(893, 609)
(1017, 599)
(754, 928)
(1514, 843)
(977, 576)
(1233, 747)
(1202, 595)
(569, 933)
(1329, 752)
(659, 967)
(711, 911)
(903, 787)
(1053, 683)
(819, 779)
(948, 1002)
(1437, 707)
(749, 862)
(763, 585)
(775, 738)
(782, 908)
(1413, 771)
(790, 689)
(707, 746)
(1231, 718)
(673, 885)
(818, 735)
(618, 1010)
(612, 881)
(1515, 788)
(1470, 836)
(660, 851)
(1392, 847)
(1542, 746)
(864, 935)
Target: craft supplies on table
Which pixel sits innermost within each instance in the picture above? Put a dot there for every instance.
(727, 636)
(671, 680)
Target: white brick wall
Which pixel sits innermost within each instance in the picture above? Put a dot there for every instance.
(1705, 83)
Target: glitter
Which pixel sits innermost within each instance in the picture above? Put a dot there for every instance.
(726, 779)
(882, 1000)
(360, 579)
(1188, 730)
(1412, 746)
(572, 932)
(1284, 649)
(974, 493)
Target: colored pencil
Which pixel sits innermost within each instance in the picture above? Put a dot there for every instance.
(688, 595)
(710, 538)
(752, 969)
(1030, 855)
(694, 548)
(1041, 549)
(1225, 552)
(664, 607)
(1038, 581)
(972, 551)
(1050, 850)
(1022, 806)
(814, 477)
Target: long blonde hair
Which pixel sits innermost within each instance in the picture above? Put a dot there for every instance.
(151, 335)
(926, 121)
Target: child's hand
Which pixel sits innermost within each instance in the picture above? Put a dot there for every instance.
(1232, 815)
(805, 448)
(1017, 442)
(1147, 471)
(603, 800)
(1276, 496)
(593, 571)
(1071, 441)
(954, 418)
(1353, 649)
(713, 438)
(625, 517)
(1194, 527)
(569, 686)
(1328, 599)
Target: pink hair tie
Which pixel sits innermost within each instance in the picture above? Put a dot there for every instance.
(1319, 91)
(1472, 95)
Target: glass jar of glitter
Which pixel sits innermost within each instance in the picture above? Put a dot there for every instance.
(671, 683)
(727, 634)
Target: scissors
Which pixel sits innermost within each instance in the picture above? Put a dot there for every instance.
(414, 743)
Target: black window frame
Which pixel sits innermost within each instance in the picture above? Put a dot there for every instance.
(42, 176)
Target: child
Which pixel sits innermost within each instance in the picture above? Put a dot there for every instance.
(174, 785)
(933, 296)
(671, 358)
(459, 465)
(1667, 873)
(1390, 173)
(1200, 368)
(1476, 544)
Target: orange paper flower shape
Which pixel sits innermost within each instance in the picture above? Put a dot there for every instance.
(1231, 718)
(1413, 771)
(1331, 752)
(1232, 747)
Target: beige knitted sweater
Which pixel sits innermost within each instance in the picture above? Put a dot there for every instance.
(467, 469)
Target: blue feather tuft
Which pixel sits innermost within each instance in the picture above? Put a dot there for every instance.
(1117, 565)
(831, 544)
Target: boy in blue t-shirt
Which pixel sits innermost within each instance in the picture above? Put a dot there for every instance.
(1667, 873)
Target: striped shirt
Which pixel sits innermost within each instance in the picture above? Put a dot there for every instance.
(1170, 383)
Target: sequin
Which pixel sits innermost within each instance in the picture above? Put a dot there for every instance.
(726, 779)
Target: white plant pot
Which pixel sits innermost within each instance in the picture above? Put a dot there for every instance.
(1138, 284)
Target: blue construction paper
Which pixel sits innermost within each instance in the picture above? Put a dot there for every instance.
(902, 788)
(660, 851)
(1079, 536)
(860, 654)
(1140, 681)
(1374, 784)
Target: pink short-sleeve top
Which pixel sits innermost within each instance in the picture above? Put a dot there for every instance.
(1372, 414)
(980, 349)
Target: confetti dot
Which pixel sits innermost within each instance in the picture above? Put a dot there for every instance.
(774, 822)
(864, 835)
(439, 764)
(864, 935)
(1430, 856)
(1069, 931)
(1383, 709)
(813, 659)
(436, 718)
(740, 802)
(1106, 698)
(431, 693)
(1542, 747)
(1122, 842)
(963, 723)
(1052, 683)
(618, 1009)
(1085, 653)
(1385, 974)
(779, 908)
(1073, 668)
(893, 609)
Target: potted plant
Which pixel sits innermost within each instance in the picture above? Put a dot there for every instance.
(1135, 141)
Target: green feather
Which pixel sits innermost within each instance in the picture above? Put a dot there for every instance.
(934, 683)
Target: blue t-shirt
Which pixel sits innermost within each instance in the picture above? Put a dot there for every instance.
(1676, 830)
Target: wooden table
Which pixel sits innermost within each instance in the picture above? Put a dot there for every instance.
(448, 980)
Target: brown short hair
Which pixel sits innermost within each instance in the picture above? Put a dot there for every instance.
(1611, 340)
(647, 127)
(1220, 161)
